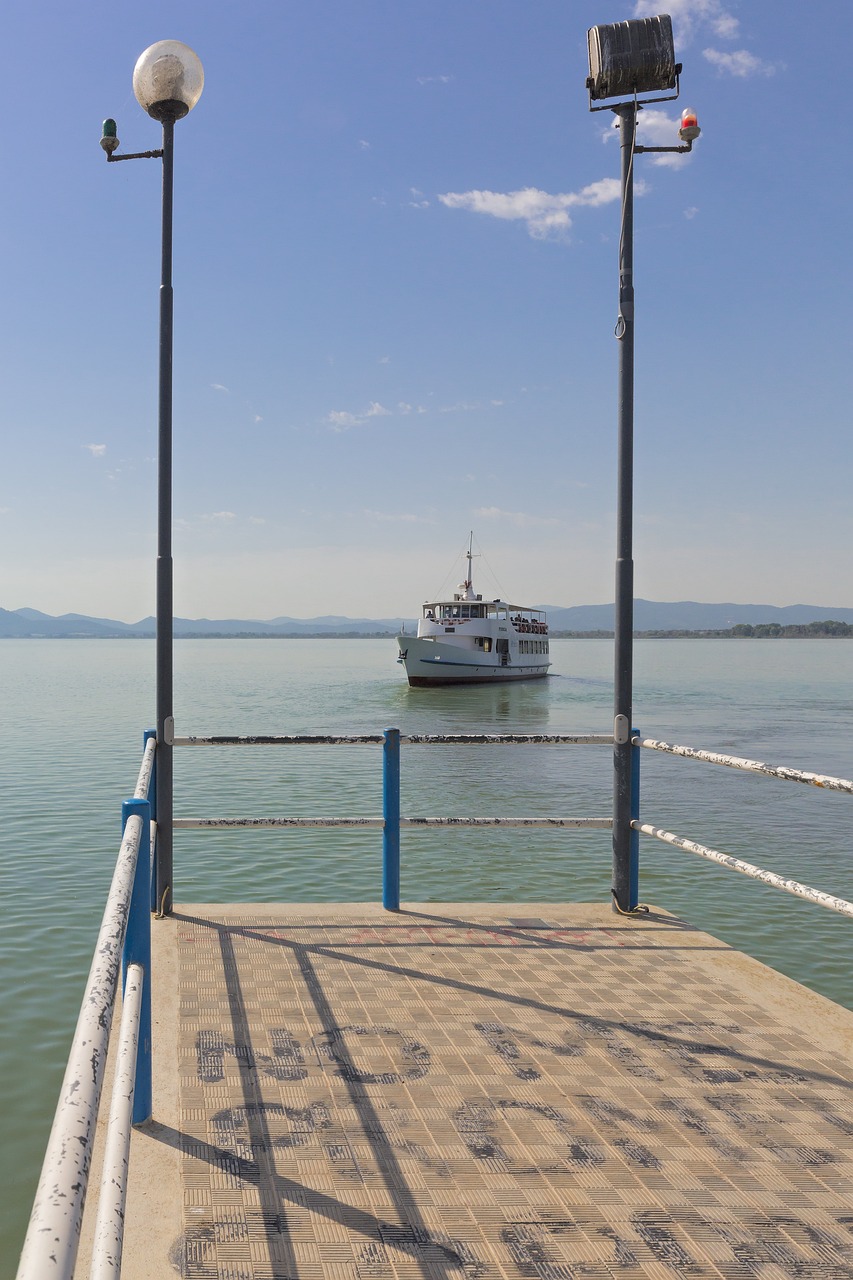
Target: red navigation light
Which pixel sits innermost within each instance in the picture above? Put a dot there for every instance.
(689, 130)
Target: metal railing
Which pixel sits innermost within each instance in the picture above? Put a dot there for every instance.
(794, 887)
(391, 821)
(125, 941)
(123, 949)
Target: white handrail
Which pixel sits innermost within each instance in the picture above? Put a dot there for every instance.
(751, 766)
(53, 1236)
(357, 824)
(143, 782)
(746, 868)
(109, 1226)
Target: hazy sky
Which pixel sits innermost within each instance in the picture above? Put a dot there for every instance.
(395, 293)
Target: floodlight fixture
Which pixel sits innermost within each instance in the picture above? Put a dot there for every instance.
(630, 58)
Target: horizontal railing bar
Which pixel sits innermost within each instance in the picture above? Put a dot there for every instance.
(281, 740)
(53, 1236)
(143, 782)
(816, 896)
(751, 766)
(415, 739)
(109, 1227)
(188, 824)
(512, 739)
(577, 823)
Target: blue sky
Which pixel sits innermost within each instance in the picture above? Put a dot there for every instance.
(395, 292)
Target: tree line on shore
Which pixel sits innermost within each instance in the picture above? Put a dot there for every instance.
(830, 629)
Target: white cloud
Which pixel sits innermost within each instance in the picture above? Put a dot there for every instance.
(217, 386)
(546, 215)
(691, 212)
(689, 16)
(520, 519)
(257, 418)
(654, 129)
(96, 450)
(364, 144)
(461, 406)
(385, 517)
(434, 79)
(384, 359)
(342, 419)
(219, 516)
(740, 62)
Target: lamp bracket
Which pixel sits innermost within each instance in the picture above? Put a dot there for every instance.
(136, 155)
(642, 102)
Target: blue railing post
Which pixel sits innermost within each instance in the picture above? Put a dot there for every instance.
(634, 840)
(152, 801)
(391, 816)
(137, 950)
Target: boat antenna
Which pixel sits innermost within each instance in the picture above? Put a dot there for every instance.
(469, 555)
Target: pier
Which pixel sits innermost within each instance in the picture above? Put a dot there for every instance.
(398, 1090)
(469, 1090)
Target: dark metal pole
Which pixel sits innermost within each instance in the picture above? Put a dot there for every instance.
(165, 721)
(624, 893)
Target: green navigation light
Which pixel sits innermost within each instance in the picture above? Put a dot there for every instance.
(109, 137)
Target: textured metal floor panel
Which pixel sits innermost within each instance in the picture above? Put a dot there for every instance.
(366, 1096)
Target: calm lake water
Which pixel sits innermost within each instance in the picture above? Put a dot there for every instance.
(75, 711)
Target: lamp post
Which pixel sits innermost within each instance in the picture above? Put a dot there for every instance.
(167, 80)
(629, 58)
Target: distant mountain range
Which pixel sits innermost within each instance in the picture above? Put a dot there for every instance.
(649, 615)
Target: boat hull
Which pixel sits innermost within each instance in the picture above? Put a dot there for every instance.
(428, 663)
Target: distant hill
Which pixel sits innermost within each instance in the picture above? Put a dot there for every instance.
(32, 623)
(649, 615)
(688, 615)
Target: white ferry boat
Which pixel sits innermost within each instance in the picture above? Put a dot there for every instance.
(469, 640)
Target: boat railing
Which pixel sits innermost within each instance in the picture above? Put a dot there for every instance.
(124, 942)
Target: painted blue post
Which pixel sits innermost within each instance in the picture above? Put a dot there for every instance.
(137, 950)
(152, 800)
(391, 815)
(634, 841)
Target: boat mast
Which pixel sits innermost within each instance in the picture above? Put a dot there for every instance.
(469, 554)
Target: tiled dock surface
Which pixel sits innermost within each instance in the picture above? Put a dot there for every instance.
(501, 1092)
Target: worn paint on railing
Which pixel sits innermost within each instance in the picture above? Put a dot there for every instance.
(50, 1248)
(751, 766)
(109, 1226)
(576, 823)
(281, 740)
(746, 868)
(419, 739)
(195, 824)
(190, 824)
(512, 739)
(143, 782)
